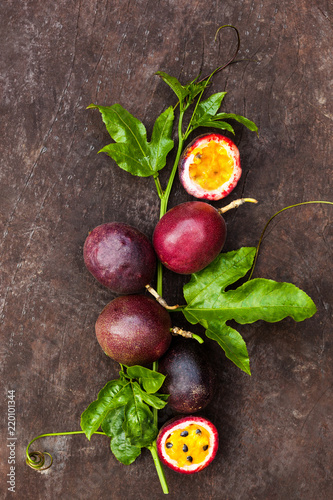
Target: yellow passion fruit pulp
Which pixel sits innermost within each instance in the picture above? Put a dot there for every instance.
(210, 167)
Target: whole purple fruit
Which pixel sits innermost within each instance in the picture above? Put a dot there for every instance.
(120, 257)
(189, 237)
(134, 330)
(190, 376)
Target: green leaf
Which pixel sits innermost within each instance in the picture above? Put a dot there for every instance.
(207, 109)
(131, 150)
(113, 422)
(163, 397)
(232, 343)
(218, 124)
(123, 450)
(206, 285)
(139, 422)
(195, 88)
(180, 91)
(161, 143)
(113, 395)
(120, 445)
(151, 381)
(241, 119)
(153, 400)
(258, 299)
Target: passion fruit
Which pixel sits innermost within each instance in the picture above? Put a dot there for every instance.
(209, 167)
(189, 237)
(189, 376)
(120, 257)
(134, 330)
(187, 444)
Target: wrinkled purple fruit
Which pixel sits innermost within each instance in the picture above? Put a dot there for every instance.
(134, 330)
(120, 257)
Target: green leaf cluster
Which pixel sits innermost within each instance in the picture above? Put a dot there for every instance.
(209, 304)
(205, 112)
(131, 149)
(123, 411)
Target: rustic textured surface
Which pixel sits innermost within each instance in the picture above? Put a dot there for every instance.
(58, 57)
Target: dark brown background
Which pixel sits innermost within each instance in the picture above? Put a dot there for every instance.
(58, 57)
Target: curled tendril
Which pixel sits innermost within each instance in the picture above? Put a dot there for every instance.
(36, 460)
(220, 68)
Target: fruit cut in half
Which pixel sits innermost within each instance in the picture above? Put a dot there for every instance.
(187, 444)
(120, 257)
(209, 167)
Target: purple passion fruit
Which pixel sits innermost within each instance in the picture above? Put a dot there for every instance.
(190, 377)
(120, 257)
(134, 330)
(189, 237)
(209, 167)
(187, 444)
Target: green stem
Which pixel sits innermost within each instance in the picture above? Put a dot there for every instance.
(270, 220)
(197, 338)
(158, 186)
(164, 197)
(189, 130)
(166, 194)
(160, 472)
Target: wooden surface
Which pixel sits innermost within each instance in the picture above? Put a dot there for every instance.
(58, 57)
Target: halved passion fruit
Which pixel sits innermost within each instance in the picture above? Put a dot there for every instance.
(209, 167)
(187, 444)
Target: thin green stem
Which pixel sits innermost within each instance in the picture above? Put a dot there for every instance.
(166, 194)
(189, 130)
(160, 472)
(158, 186)
(164, 197)
(159, 278)
(270, 220)
(197, 338)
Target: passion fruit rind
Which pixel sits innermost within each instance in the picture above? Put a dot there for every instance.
(187, 444)
(190, 376)
(189, 237)
(214, 184)
(134, 330)
(120, 257)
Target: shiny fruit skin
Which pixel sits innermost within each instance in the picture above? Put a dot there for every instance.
(134, 330)
(190, 377)
(186, 159)
(120, 257)
(179, 423)
(189, 237)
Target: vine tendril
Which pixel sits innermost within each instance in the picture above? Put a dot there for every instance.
(220, 68)
(270, 220)
(36, 459)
